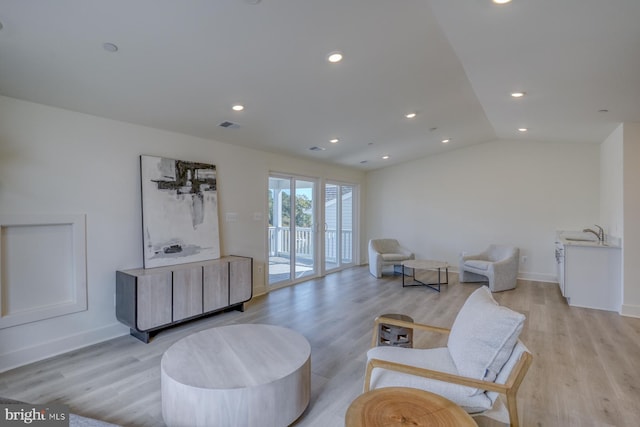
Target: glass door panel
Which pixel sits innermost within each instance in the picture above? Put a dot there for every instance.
(304, 228)
(330, 226)
(279, 234)
(346, 225)
(338, 226)
(292, 229)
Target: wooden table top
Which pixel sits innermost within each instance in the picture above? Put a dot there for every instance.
(424, 264)
(401, 407)
(236, 356)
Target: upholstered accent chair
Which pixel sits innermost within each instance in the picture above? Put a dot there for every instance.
(383, 252)
(498, 265)
(483, 359)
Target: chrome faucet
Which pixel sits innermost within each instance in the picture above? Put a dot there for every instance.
(599, 234)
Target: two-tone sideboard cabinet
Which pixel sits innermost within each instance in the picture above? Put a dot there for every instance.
(148, 300)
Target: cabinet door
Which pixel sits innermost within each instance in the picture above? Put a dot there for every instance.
(240, 280)
(216, 285)
(187, 292)
(153, 300)
(592, 277)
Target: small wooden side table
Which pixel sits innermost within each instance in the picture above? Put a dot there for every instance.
(395, 336)
(400, 407)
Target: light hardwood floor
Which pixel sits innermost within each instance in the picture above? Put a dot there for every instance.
(585, 371)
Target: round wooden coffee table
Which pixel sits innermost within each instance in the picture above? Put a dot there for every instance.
(236, 375)
(400, 406)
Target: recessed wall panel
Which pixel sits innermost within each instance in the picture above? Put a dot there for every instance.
(42, 267)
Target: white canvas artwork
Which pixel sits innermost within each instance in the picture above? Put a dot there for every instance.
(179, 211)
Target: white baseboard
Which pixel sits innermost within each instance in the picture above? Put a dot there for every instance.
(48, 349)
(630, 310)
(536, 277)
(259, 290)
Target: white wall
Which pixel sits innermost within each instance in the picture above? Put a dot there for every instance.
(631, 233)
(611, 183)
(54, 161)
(508, 192)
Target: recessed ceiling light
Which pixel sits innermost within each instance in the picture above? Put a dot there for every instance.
(386, 156)
(523, 129)
(110, 47)
(410, 115)
(445, 141)
(238, 107)
(501, 1)
(518, 94)
(335, 57)
(334, 140)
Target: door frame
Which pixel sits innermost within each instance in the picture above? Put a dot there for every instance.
(317, 255)
(355, 222)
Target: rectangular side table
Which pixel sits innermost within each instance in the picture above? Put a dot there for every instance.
(423, 264)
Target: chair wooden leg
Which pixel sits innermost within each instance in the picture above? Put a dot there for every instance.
(367, 377)
(512, 407)
(515, 380)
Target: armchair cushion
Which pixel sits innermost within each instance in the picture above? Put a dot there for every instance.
(483, 336)
(437, 359)
(394, 257)
(503, 376)
(479, 264)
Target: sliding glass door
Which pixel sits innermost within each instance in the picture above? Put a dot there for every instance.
(338, 226)
(292, 229)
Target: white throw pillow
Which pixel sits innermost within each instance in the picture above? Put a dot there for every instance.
(483, 336)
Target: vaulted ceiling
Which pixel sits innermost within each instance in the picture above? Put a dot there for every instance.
(182, 65)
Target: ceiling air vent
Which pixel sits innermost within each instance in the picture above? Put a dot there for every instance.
(229, 125)
(316, 148)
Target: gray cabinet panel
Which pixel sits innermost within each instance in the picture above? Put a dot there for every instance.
(187, 292)
(240, 280)
(216, 285)
(153, 301)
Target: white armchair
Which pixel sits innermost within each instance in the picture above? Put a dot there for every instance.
(497, 265)
(383, 252)
(483, 359)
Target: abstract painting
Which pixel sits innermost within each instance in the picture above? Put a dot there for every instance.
(179, 211)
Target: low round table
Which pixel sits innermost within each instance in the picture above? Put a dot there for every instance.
(400, 406)
(237, 375)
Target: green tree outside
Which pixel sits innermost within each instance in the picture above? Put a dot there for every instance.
(303, 205)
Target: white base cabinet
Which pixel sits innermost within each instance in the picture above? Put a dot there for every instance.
(148, 300)
(592, 277)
